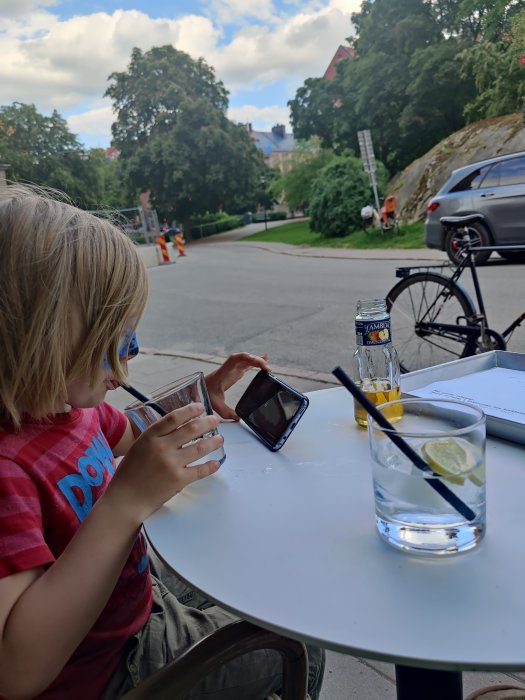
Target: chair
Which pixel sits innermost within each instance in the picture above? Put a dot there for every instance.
(240, 637)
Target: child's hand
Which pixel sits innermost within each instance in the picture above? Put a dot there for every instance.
(226, 375)
(155, 467)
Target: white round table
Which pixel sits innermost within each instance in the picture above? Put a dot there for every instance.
(287, 540)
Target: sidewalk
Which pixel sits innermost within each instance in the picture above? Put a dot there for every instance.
(400, 254)
(346, 677)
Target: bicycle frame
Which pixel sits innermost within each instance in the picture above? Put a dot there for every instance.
(470, 331)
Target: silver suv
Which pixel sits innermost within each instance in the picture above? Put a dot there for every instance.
(493, 189)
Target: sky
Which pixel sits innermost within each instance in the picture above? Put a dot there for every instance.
(58, 54)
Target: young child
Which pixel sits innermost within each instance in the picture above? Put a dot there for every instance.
(80, 614)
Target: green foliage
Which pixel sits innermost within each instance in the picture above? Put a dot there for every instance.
(224, 223)
(426, 117)
(295, 185)
(148, 96)
(210, 218)
(299, 233)
(394, 27)
(497, 74)
(175, 139)
(270, 216)
(313, 112)
(41, 150)
(422, 68)
(338, 195)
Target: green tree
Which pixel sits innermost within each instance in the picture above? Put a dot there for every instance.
(41, 150)
(295, 185)
(313, 111)
(497, 74)
(149, 96)
(394, 27)
(427, 118)
(422, 68)
(488, 20)
(371, 90)
(338, 195)
(175, 139)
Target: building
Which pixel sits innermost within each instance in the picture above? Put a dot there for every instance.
(111, 153)
(276, 145)
(343, 53)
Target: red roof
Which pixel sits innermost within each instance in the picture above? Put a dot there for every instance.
(343, 53)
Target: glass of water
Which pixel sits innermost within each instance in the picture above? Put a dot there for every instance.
(415, 513)
(190, 389)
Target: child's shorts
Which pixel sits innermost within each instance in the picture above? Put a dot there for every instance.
(174, 627)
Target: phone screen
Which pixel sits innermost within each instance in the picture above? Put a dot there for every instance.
(268, 407)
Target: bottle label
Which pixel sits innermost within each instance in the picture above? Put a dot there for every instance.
(373, 332)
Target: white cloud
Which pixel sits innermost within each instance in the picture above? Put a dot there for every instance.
(234, 11)
(19, 8)
(65, 64)
(263, 118)
(301, 47)
(71, 61)
(96, 122)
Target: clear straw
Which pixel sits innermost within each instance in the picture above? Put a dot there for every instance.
(461, 507)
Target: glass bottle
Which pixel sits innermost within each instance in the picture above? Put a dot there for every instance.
(376, 365)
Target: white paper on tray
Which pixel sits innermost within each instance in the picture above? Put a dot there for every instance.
(498, 391)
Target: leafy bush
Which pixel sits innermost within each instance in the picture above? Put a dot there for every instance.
(338, 195)
(270, 216)
(295, 185)
(209, 218)
(226, 223)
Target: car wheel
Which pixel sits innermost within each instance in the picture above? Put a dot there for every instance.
(513, 255)
(478, 235)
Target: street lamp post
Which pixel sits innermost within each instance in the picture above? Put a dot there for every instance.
(263, 185)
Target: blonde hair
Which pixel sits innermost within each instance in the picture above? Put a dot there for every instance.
(60, 267)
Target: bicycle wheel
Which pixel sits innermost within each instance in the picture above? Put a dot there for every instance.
(428, 297)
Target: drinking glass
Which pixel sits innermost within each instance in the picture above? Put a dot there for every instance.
(414, 512)
(189, 389)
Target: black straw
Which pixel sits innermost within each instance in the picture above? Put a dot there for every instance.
(145, 399)
(461, 507)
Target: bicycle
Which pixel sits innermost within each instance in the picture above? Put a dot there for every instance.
(434, 320)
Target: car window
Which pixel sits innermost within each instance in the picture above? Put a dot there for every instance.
(508, 172)
(471, 181)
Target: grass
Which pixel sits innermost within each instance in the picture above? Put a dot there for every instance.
(298, 233)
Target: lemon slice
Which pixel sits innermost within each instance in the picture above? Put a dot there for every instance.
(453, 458)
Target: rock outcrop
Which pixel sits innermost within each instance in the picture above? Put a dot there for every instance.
(421, 180)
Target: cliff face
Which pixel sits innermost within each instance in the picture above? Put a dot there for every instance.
(421, 180)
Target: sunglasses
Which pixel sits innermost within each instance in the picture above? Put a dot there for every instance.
(128, 348)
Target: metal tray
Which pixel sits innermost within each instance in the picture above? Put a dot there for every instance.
(499, 427)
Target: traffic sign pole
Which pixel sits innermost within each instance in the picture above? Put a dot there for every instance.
(369, 162)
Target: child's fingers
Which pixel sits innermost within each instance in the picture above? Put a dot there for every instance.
(175, 419)
(201, 471)
(193, 429)
(201, 448)
(224, 410)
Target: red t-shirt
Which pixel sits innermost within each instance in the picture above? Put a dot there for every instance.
(51, 474)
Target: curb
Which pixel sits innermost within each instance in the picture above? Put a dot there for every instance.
(368, 253)
(321, 377)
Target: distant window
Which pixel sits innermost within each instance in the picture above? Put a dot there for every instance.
(472, 180)
(508, 172)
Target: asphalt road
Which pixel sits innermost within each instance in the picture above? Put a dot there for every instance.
(229, 296)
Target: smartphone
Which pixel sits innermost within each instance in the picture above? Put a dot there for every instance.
(271, 409)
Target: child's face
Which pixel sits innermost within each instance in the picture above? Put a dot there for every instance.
(83, 394)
